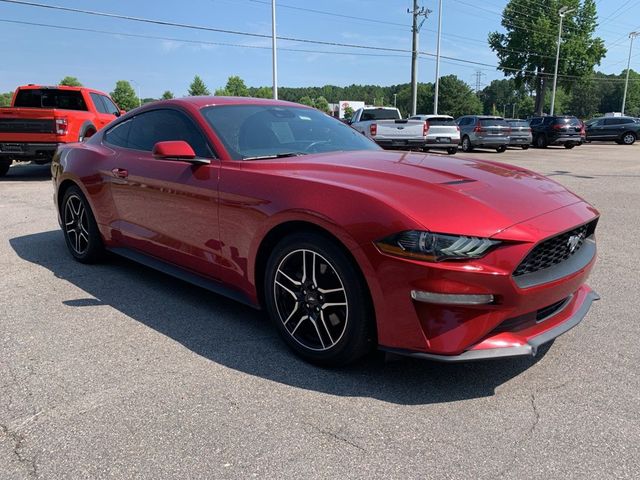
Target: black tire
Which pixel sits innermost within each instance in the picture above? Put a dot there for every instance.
(525, 147)
(452, 150)
(540, 141)
(332, 335)
(569, 145)
(79, 226)
(4, 166)
(501, 149)
(466, 144)
(628, 138)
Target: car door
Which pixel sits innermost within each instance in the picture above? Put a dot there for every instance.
(594, 129)
(612, 128)
(166, 208)
(103, 115)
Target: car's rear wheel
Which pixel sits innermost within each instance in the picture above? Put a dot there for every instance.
(452, 150)
(501, 148)
(466, 145)
(318, 300)
(569, 145)
(4, 166)
(80, 229)
(628, 138)
(541, 142)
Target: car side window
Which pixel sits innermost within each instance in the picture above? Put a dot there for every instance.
(118, 136)
(164, 125)
(97, 101)
(111, 107)
(611, 121)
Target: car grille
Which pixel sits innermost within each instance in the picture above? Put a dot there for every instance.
(530, 319)
(555, 250)
(16, 125)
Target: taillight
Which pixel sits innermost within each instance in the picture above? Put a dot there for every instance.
(62, 126)
(508, 131)
(373, 129)
(530, 130)
(457, 128)
(478, 129)
(425, 128)
(558, 126)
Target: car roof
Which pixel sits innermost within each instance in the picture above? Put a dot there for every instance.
(213, 100)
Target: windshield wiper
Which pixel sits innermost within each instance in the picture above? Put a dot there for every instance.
(277, 155)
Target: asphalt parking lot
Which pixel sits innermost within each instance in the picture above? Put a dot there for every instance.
(116, 371)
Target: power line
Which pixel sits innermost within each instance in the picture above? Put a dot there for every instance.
(292, 39)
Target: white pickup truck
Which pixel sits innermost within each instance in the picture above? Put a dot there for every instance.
(388, 129)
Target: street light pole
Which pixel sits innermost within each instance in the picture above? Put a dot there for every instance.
(632, 35)
(562, 12)
(274, 58)
(437, 85)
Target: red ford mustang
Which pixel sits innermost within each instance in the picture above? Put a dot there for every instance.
(345, 245)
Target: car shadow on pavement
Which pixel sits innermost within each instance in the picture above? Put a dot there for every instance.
(241, 338)
(27, 172)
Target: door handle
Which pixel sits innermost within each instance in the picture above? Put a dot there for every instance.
(120, 173)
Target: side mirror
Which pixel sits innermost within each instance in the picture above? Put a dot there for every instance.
(177, 150)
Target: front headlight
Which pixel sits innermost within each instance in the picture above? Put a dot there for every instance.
(434, 247)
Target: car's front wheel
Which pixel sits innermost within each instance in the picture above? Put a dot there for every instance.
(80, 229)
(318, 301)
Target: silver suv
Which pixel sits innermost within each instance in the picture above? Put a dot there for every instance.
(484, 131)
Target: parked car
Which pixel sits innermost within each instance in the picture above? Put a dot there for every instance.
(484, 131)
(622, 130)
(442, 132)
(345, 245)
(387, 128)
(563, 130)
(42, 118)
(520, 133)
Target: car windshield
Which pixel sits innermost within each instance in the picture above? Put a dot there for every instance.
(268, 131)
(379, 114)
(572, 121)
(493, 122)
(441, 121)
(50, 98)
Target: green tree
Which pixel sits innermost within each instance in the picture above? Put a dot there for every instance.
(167, 95)
(5, 99)
(527, 50)
(307, 100)
(198, 87)
(456, 98)
(321, 104)
(348, 113)
(235, 87)
(70, 82)
(424, 103)
(262, 92)
(125, 96)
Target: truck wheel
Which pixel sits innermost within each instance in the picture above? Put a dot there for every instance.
(452, 150)
(4, 166)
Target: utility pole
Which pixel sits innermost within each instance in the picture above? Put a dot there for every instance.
(416, 12)
(632, 35)
(274, 49)
(562, 12)
(437, 85)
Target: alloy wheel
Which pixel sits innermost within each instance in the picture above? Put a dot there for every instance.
(310, 299)
(628, 139)
(76, 224)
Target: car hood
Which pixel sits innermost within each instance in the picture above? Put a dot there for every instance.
(479, 197)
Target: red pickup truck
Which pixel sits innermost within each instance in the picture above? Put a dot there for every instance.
(41, 118)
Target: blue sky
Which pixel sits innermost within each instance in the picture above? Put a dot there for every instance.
(35, 54)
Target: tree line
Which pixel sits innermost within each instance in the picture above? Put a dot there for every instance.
(588, 97)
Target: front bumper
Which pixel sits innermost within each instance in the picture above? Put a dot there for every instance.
(519, 344)
(27, 151)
